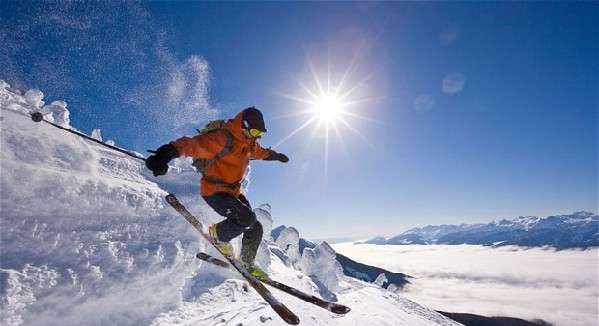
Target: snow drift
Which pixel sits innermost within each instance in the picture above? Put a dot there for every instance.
(87, 240)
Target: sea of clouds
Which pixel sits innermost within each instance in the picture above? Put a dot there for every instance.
(530, 283)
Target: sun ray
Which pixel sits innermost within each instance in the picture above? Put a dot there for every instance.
(326, 152)
(291, 115)
(305, 88)
(295, 132)
(350, 68)
(357, 132)
(341, 141)
(357, 85)
(298, 99)
(329, 71)
(334, 125)
(315, 130)
(364, 100)
(357, 116)
(314, 75)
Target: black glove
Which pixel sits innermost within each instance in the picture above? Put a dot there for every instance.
(274, 156)
(158, 163)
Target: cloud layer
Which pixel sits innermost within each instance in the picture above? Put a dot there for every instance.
(557, 286)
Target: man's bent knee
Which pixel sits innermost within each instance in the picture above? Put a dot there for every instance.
(257, 229)
(248, 219)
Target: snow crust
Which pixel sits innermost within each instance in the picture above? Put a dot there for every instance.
(47, 172)
(86, 239)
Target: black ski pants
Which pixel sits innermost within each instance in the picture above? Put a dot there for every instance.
(239, 218)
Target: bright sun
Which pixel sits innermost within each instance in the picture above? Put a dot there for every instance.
(328, 108)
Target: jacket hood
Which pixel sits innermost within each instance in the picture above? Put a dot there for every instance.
(234, 125)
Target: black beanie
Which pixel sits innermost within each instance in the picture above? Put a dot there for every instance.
(252, 119)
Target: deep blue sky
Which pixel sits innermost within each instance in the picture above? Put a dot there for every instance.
(520, 137)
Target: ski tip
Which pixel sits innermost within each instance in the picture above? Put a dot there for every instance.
(292, 320)
(340, 309)
(288, 316)
(37, 116)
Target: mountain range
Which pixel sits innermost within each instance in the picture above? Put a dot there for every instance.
(576, 230)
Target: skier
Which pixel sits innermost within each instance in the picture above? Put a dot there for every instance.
(223, 155)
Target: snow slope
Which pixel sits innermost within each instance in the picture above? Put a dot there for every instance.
(86, 239)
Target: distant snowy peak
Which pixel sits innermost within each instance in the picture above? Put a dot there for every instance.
(579, 229)
(428, 234)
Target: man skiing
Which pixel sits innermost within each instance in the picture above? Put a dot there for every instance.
(222, 155)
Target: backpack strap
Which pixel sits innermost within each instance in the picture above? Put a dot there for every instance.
(206, 163)
(226, 149)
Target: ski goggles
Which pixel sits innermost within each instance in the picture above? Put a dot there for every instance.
(256, 132)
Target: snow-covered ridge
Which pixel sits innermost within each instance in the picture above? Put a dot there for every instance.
(579, 229)
(47, 172)
(86, 239)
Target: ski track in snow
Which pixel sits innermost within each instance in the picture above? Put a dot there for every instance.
(86, 239)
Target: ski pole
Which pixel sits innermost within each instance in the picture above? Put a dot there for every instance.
(38, 117)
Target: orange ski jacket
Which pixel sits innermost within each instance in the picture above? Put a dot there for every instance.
(230, 168)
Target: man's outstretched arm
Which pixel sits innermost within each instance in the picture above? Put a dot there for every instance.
(267, 154)
(200, 146)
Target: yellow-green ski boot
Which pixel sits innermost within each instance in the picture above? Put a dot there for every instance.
(257, 272)
(225, 248)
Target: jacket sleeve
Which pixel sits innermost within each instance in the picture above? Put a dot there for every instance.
(201, 146)
(259, 153)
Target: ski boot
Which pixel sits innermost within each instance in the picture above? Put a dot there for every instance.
(224, 247)
(257, 272)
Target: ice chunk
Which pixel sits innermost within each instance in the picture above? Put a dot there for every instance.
(265, 218)
(392, 287)
(288, 241)
(263, 256)
(321, 263)
(34, 98)
(381, 280)
(97, 134)
(59, 113)
(3, 84)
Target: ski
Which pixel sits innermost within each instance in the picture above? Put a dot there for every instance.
(39, 117)
(330, 306)
(284, 312)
